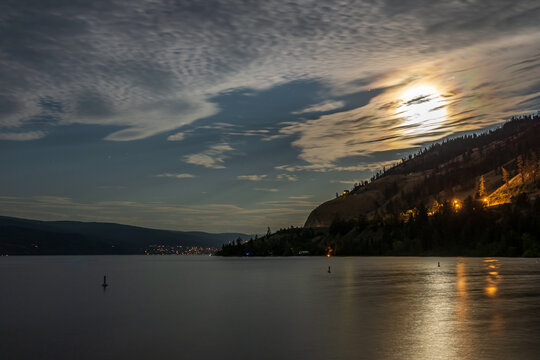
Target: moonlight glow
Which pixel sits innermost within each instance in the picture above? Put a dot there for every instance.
(422, 109)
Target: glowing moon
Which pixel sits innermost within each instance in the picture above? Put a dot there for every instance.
(422, 109)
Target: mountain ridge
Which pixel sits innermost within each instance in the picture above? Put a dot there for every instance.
(19, 236)
(475, 195)
(449, 170)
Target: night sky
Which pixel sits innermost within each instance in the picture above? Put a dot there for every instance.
(237, 115)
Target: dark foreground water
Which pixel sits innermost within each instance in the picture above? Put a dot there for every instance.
(271, 308)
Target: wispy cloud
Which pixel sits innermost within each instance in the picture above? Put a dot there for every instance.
(239, 132)
(190, 130)
(22, 136)
(301, 197)
(177, 176)
(297, 203)
(251, 177)
(346, 182)
(267, 189)
(322, 107)
(213, 158)
(371, 166)
(286, 177)
(177, 137)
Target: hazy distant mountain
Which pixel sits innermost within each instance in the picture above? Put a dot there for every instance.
(25, 237)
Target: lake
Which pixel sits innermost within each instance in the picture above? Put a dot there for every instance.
(196, 307)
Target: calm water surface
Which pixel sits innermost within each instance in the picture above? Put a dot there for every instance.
(164, 307)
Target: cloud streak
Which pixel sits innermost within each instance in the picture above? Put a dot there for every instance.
(22, 136)
(322, 107)
(177, 176)
(251, 177)
(272, 190)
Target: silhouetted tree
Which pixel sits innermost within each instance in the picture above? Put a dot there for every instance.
(521, 168)
(505, 176)
(481, 192)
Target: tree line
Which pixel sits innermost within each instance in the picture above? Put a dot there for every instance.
(473, 230)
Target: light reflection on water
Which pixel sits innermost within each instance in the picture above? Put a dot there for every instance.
(462, 309)
(273, 308)
(492, 278)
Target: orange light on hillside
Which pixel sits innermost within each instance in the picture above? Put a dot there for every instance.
(328, 255)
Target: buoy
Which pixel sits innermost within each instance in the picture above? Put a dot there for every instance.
(104, 282)
(329, 270)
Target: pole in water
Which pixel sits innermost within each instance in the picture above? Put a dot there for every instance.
(329, 270)
(438, 264)
(104, 282)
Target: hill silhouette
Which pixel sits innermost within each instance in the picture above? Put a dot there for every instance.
(34, 237)
(472, 195)
(446, 171)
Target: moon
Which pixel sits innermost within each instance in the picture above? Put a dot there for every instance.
(422, 109)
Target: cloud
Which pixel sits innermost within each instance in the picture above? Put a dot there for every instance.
(390, 122)
(322, 107)
(371, 166)
(251, 177)
(296, 203)
(152, 67)
(191, 130)
(22, 136)
(177, 137)
(287, 177)
(259, 132)
(267, 189)
(346, 182)
(213, 158)
(177, 176)
(92, 104)
(151, 118)
(301, 197)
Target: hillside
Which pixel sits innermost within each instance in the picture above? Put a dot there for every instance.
(34, 237)
(475, 195)
(448, 171)
(511, 229)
